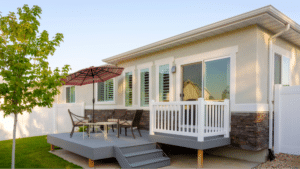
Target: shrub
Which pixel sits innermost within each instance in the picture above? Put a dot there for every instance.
(81, 129)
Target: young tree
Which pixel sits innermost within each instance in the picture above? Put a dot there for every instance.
(28, 81)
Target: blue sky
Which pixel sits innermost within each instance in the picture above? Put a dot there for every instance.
(95, 30)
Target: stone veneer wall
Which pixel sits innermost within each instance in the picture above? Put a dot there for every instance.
(250, 131)
(101, 115)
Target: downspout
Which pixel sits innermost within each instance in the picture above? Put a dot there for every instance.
(271, 89)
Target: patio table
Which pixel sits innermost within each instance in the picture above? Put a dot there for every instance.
(105, 124)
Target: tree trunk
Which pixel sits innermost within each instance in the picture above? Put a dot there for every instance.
(14, 142)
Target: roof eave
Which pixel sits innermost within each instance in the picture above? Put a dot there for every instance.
(179, 39)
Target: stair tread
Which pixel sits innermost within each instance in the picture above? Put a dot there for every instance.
(142, 152)
(155, 160)
(133, 145)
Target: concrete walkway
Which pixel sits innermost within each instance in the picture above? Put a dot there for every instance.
(180, 158)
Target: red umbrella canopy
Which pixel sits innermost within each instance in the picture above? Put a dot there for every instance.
(99, 74)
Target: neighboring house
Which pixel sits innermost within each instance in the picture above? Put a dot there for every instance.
(237, 58)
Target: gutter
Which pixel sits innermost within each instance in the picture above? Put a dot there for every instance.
(271, 90)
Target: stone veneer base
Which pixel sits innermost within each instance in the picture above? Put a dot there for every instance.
(250, 131)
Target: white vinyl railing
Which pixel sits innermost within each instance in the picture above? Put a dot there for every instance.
(190, 118)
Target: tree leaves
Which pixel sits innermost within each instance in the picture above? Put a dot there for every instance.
(28, 80)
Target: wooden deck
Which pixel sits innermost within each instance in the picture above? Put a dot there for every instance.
(97, 147)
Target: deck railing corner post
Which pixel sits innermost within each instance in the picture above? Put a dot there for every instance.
(152, 118)
(201, 111)
(226, 118)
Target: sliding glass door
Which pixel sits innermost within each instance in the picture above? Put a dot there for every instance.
(217, 79)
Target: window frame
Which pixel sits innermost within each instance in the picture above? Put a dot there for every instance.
(283, 53)
(161, 62)
(209, 56)
(126, 70)
(139, 68)
(105, 102)
(69, 86)
(204, 73)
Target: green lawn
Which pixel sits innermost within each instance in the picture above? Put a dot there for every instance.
(31, 152)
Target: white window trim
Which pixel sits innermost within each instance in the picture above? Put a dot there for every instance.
(129, 69)
(105, 102)
(66, 92)
(283, 53)
(209, 56)
(140, 67)
(158, 63)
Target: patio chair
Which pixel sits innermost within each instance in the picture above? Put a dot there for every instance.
(135, 123)
(80, 120)
(116, 115)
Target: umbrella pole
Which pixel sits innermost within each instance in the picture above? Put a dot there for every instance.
(93, 105)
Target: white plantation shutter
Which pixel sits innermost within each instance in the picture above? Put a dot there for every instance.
(101, 92)
(145, 87)
(128, 89)
(164, 84)
(109, 90)
(106, 91)
(70, 94)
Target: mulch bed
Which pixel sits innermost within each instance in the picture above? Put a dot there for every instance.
(282, 161)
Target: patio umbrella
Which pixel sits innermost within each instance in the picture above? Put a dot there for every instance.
(93, 75)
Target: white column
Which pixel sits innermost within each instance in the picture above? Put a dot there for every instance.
(152, 118)
(226, 118)
(201, 111)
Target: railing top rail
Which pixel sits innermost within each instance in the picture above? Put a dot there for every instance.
(214, 103)
(187, 102)
(174, 103)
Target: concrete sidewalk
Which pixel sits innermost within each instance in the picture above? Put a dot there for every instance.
(180, 158)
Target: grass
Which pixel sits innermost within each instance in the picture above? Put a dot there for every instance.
(31, 152)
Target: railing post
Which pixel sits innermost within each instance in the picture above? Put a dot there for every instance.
(201, 111)
(226, 117)
(152, 118)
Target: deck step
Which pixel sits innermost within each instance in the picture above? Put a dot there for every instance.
(142, 152)
(157, 162)
(143, 155)
(135, 144)
(137, 148)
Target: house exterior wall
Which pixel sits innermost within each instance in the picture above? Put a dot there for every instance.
(244, 38)
(249, 120)
(262, 70)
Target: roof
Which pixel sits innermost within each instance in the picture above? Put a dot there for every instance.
(267, 17)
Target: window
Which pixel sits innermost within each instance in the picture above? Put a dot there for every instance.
(144, 87)
(128, 89)
(192, 81)
(281, 70)
(105, 91)
(217, 79)
(70, 94)
(164, 83)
